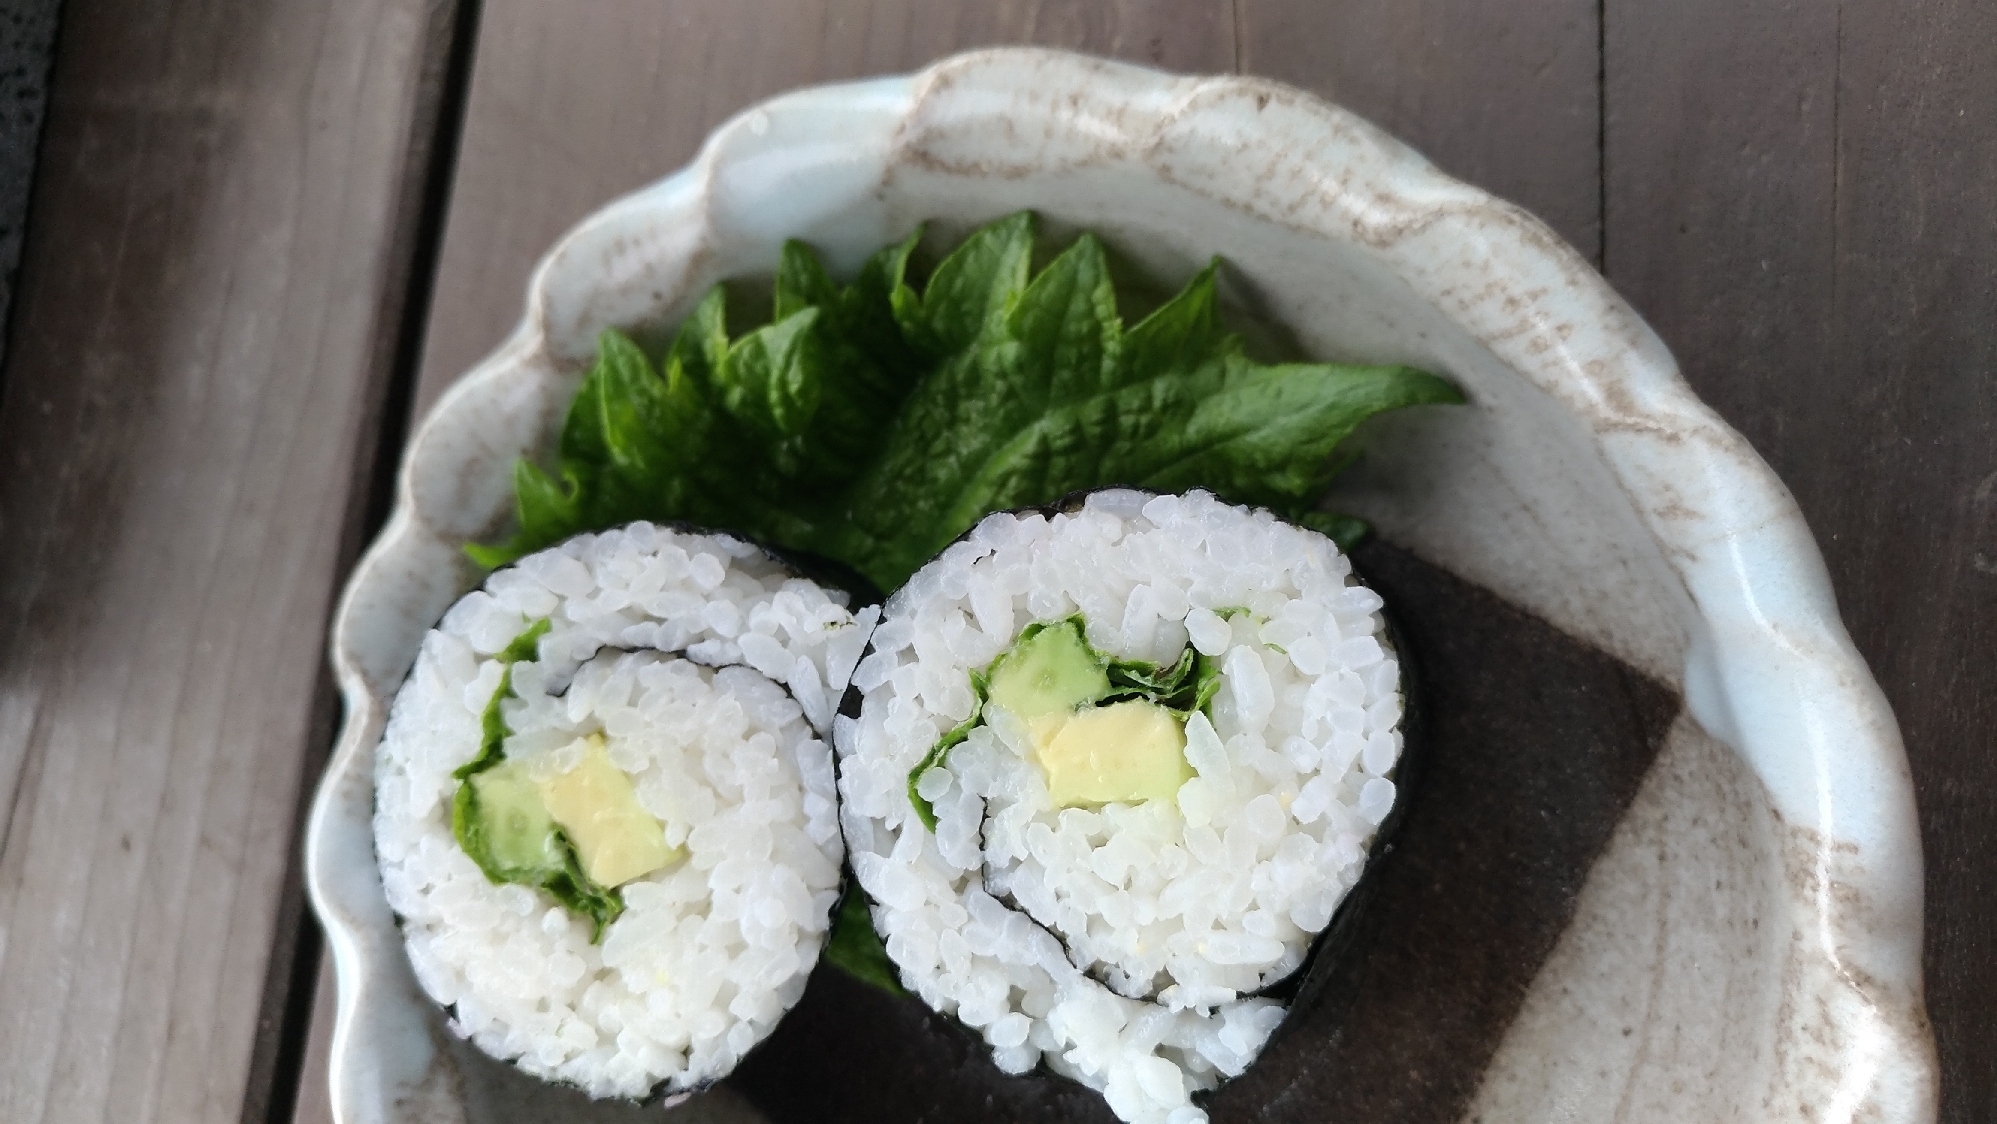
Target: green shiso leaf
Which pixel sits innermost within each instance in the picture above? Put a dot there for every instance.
(758, 434)
(492, 725)
(872, 423)
(556, 868)
(854, 947)
(1052, 396)
(1345, 530)
(969, 289)
(1133, 679)
(924, 810)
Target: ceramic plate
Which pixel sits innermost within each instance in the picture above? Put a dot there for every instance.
(1660, 863)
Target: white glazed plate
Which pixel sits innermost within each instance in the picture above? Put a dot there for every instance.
(1741, 942)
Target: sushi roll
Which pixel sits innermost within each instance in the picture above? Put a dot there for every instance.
(605, 809)
(1110, 774)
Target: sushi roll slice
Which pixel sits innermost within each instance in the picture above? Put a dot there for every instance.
(1111, 772)
(605, 808)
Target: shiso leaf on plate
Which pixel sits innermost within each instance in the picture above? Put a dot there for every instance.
(743, 434)
(874, 422)
(854, 947)
(968, 289)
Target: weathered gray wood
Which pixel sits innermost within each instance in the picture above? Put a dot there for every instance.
(310, 1103)
(1799, 199)
(206, 314)
(1506, 96)
(27, 44)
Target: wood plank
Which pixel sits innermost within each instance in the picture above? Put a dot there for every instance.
(310, 1103)
(27, 46)
(1506, 96)
(1913, 515)
(1799, 200)
(207, 313)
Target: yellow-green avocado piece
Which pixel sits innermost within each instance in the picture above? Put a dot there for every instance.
(1052, 671)
(615, 839)
(519, 836)
(1121, 753)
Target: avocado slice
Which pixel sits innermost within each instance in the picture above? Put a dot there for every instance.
(1122, 753)
(595, 804)
(1105, 730)
(1050, 670)
(516, 836)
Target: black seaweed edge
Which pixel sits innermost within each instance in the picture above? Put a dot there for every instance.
(823, 572)
(1304, 988)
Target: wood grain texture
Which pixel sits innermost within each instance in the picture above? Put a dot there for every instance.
(573, 105)
(1799, 200)
(1506, 96)
(310, 1102)
(208, 303)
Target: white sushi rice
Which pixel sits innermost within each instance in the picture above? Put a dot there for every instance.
(709, 952)
(1120, 945)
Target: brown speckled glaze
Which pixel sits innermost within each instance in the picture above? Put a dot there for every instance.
(1663, 865)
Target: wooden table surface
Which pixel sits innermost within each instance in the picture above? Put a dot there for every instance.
(264, 235)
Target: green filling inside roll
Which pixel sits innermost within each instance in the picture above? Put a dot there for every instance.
(501, 820)
(1131, 745)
